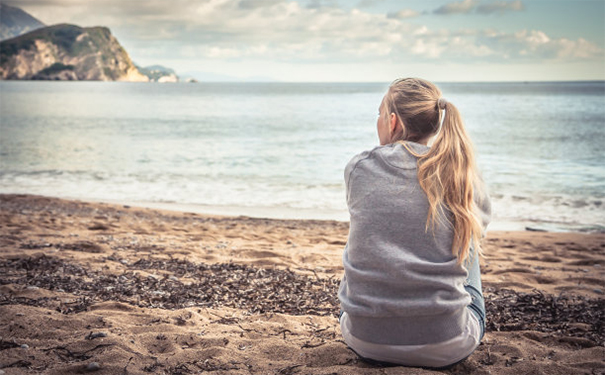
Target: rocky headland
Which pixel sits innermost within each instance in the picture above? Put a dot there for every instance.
(14, 22)
(67, 52)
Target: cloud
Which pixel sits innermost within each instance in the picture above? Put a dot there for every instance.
(464, 6)
(500, 7)
(254, 4)
(286, 31)
(490, 46)
(316, 4)
(537, 45)
(368, 3)
(474, 6)
(226, 29)
(402, 14)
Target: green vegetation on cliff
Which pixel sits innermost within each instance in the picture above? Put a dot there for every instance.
(92, 51)
(65, 37)
(56, 68)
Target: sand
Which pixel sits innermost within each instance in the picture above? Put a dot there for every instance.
(113, 289)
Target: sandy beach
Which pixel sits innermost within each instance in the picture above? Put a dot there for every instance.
(113, 289)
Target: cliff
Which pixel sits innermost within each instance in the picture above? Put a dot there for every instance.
(14, 22)
(67, 52)
(158, 73)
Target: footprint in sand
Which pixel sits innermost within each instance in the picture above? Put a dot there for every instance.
(280, 352)
(312, 259)
(259, 254)
(160, 344)
(586, 280)
(511, 270)
(508, 284)
(507, 349)
(328, 355)
(587, 262)
(83, 246)
(545, 280)
(545, 258)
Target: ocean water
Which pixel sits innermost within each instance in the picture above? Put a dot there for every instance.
(279, 149)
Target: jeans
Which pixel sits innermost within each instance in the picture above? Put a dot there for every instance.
(473, 286)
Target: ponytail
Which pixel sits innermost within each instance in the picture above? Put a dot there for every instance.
(447, 172)
(448, 175)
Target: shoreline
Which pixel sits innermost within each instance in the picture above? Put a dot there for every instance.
(139, 290)
(288, 213)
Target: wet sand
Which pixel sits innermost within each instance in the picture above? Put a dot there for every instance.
(112, 289)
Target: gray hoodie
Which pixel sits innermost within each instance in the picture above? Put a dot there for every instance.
(402, 285)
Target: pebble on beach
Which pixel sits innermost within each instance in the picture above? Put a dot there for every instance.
(92, 336)
(93, 366)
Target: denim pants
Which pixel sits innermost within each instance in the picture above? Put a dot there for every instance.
(473, 286)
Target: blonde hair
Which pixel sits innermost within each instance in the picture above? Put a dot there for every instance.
(447, 172)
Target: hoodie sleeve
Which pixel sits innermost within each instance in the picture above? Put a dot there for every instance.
(350, 168)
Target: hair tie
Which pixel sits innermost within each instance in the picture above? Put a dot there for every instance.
(441, 103)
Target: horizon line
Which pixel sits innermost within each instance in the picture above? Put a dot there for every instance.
(333, 82)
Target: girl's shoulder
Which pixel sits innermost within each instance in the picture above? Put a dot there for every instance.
(396, 155)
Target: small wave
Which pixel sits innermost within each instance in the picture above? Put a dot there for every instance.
(556, 212)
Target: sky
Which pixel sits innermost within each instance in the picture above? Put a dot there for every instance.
(350, 40)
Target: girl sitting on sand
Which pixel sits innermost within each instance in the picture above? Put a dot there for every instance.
(411, 292)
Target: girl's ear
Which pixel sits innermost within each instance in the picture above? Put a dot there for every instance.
(393, 123)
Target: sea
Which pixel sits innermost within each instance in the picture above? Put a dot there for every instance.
(278, 150)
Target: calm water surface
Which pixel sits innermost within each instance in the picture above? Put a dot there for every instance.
(279, 149)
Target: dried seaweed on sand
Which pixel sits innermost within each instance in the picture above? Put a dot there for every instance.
(259, 290)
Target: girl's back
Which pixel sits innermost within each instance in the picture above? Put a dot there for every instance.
(404, 285)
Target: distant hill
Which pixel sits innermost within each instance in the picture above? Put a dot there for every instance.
(201, 76)
(158, 73)
(67, 52)
(14, 22)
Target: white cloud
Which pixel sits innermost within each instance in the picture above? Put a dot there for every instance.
(286, 31)
(254, 4)
(446, 46)
(470, 6)
(537, 43)
(321, 3)
(368, 3)
(500, 7)
(221, 53)
(464, 6)
(473, 46)
(402, 14)
(431, 49)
